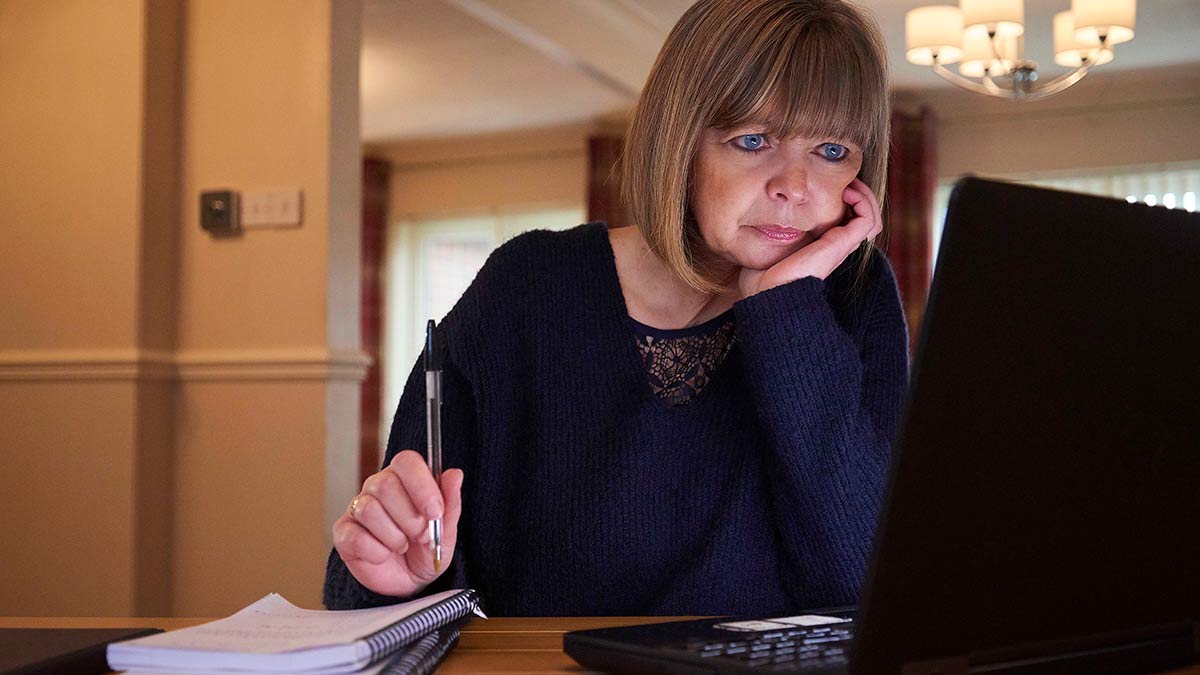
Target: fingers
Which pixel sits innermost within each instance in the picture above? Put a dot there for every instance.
(384, 537)
(370, 513)
(384, 519)
(825, 254)
(452, 481)
(418, 483)
(420, 558)
(862, 191)
(354, 542)
(868, 222)
(386, 489)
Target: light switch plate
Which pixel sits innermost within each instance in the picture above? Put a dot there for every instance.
(272, 208)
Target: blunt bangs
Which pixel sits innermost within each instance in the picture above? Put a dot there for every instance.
(818, 79)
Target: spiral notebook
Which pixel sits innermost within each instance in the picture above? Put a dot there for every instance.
(424, 655)
(274, 636)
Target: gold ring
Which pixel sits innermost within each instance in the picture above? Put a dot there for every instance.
(354, 507)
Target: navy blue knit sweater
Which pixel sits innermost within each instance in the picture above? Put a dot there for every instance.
(585, 494)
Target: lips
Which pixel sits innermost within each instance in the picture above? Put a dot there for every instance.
(774, 232)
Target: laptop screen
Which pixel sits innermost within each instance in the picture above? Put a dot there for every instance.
(1046, 479)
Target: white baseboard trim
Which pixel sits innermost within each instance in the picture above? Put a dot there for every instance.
(301, 363)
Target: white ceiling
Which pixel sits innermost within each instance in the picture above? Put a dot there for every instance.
(433, 68)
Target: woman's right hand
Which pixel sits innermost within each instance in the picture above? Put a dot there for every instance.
(384, 535)
(832, 246)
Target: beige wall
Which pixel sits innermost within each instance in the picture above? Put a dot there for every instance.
(1110, 119)
(483, 173)
(180, 411)
(89, 145)
(266, 436)
(66, 493)
(249, 493)
(71, 122)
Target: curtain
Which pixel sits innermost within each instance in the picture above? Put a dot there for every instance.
(908, 210)
(374, 226)
(604, 181)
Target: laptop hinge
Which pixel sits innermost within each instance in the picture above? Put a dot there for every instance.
(956, 665)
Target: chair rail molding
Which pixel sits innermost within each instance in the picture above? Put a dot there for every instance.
(285, 363)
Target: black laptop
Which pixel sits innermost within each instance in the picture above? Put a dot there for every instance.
(1043, 509)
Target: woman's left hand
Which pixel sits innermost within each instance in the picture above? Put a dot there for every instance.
(821, 257)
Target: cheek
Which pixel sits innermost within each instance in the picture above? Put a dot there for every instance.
(718, 199)
(828, 207)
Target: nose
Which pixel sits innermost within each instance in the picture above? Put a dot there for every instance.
(789, 184)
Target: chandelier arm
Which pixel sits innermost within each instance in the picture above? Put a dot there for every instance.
(993, 88)
(1022, 73)
(970, 85)
(1064, 81)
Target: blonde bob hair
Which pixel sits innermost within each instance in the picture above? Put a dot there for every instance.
(812, 68)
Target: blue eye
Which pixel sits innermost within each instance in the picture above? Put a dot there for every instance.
(834, 152)
(750, 142)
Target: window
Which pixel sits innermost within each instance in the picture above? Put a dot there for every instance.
(430, 262)
(1174, 187)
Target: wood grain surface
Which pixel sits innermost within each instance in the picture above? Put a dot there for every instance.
(499, 645)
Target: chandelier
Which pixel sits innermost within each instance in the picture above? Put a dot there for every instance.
(985, 39)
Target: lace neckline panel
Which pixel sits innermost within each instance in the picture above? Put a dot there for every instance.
(681, 362)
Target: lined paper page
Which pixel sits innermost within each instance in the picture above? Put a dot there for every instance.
(274, 625)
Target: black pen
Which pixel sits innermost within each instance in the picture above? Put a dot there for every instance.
(433, 427)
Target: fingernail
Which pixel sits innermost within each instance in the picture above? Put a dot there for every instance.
(433, 510)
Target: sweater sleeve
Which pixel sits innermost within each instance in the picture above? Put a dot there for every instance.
(828, 393)
(474, 328)
(459, 444)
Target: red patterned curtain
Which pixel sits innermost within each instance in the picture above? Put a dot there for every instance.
(374, 228)
(908, 211)
(604, 181)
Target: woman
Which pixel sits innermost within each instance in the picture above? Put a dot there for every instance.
(689, 416)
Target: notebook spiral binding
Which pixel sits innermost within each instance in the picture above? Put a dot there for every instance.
(425, 654)
(419, 624)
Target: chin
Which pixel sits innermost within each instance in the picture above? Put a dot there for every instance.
(763, 258)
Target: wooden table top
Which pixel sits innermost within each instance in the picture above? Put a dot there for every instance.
(499, 645)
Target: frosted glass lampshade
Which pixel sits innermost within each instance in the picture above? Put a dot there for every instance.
(934, 29)
(1069, 50)
(978, 53)
(1111, 18)
(1005, 17)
